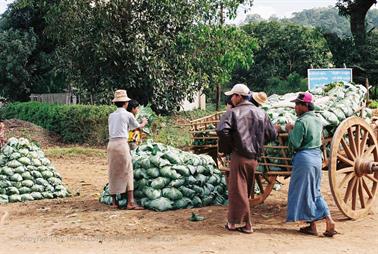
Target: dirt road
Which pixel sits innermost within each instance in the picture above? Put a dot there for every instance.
(80, 224)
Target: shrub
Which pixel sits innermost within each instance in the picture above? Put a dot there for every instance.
(74, 123)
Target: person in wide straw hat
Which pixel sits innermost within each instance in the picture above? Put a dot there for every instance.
(258, 99)
(121, 176)
(242, 132)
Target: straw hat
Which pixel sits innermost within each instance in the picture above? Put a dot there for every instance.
(120, 95)
(260, 97)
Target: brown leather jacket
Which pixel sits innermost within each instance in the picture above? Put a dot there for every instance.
(244, 130)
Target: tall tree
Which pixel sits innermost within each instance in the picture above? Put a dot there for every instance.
(28, 16)
(131, 45)
(356, 10)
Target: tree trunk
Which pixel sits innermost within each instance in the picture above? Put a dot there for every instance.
(357, 26)
(357, 12)
(218, 91)
(217, 99)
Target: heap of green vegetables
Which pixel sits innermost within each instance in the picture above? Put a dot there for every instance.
(26, 174)
(166, 178)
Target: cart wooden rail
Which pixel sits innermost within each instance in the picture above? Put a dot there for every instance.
(350, 156)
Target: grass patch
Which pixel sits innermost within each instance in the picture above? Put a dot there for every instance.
(76, 151)
(373, 104)
(168, 132)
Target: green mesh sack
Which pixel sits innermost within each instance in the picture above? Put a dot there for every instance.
(187, 192)
(183, 203)
(160, 204)
(153, 172)
(197, 201)
(172, 193)
(160, 182)
(152, 193)
(15, 198)
(177, 183)
(181, 169)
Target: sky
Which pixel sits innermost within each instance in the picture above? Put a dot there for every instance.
(265, 8)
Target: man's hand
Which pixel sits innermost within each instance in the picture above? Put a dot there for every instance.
(277, 127)
(289, 127)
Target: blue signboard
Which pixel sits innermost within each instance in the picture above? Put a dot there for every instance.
(320, 77)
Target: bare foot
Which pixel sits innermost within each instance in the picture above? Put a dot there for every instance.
(133, 206)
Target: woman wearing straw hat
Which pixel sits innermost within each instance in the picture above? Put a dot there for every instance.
(121, 177)
(258, 99)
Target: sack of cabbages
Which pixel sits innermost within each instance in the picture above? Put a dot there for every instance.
(166, 178)
(26, 174)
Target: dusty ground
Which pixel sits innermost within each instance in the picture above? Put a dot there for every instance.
(80, 224)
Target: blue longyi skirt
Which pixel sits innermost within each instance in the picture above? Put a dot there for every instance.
(305, 202)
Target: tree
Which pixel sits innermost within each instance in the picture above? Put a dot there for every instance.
(15, 70)
(283, 49)
(131, 45)
(28, 16)
(214, 53)
(357, 11)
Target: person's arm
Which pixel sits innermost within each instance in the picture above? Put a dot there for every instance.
(133, 123)
(295, 135)
(224, 130)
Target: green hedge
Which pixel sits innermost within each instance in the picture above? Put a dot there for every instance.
(74, 123)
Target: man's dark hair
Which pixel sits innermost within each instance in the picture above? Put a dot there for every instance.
(245, 97)
(119, 104)
(309, 105)
(228, 100)
(132, 104)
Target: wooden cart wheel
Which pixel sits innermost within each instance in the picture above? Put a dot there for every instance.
(265, 184)
(353, 179)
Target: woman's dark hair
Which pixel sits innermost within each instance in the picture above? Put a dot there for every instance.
(254, 102)
(132, 104)
(119, 104)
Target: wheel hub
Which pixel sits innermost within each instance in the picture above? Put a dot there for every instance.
(362, 167)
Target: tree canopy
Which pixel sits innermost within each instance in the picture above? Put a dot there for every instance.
(283, 49)
(135, 45)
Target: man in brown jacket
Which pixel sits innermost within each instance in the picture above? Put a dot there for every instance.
(242, 131)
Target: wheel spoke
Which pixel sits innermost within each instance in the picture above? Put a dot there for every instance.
(347, 178)
(354, 193)
(369, 151)
(367, 190)
(357, 139)
(345, 170)
(363, 142)
(347, 150)
(360, 193)
(351, 141)
(372, 178)
(350, 187)
(344, 159)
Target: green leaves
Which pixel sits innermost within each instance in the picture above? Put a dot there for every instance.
(284, 48)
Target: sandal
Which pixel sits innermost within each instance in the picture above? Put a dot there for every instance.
(330, 233)
(244, 230)
(230, 229)
(308, 231)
